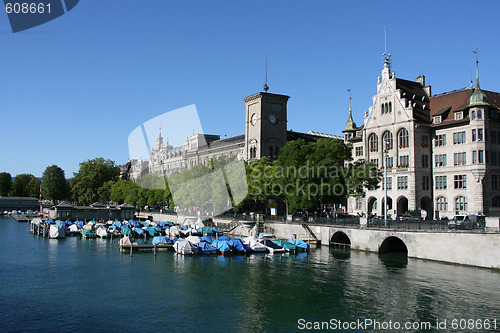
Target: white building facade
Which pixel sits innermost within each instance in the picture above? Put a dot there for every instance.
(441, 152)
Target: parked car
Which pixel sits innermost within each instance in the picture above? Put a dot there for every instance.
(464, 222)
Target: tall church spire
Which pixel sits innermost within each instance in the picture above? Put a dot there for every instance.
(478, 97)
(350, 124)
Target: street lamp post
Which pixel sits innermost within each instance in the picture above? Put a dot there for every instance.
(385, 162)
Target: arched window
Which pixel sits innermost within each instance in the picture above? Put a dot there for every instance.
(461, 203)
(479, 114)
(473, 116)
(441, 204)
(373, 142)
(403, 139)
(496, 202)
(387, 140)
(276, 150)
(390, 106)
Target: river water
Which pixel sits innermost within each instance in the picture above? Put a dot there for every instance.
(75, 284)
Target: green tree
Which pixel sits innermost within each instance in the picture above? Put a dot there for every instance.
(104, 192)
(20, 186)
(33, 188)
(5, 183)
(54, 184)
(90, 177)
(124, 191)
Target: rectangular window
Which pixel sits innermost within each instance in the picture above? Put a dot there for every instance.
(359, 151)
(494, 157)
(389, 183)
(441, 182)
(460, 181)
(473, 135)
(404, 161)
(374, 161)
(458, 138)
(459, 159)
(494, 182)
(425, 182)
(459, 115)
(389, 162)
(437, 120)
(480, 156)
(359, 202)
(425, 161)
(440, 160)
(425, 141)
(480, 134)
(474, 156)
(402, 183)
(440, 140)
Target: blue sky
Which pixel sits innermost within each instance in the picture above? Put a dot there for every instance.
(73, 89)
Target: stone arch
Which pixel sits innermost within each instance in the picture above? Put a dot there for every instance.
(426, 204)
(340, 239)
(389, 206)
(393, 244)
(372, 205)
(402, 205)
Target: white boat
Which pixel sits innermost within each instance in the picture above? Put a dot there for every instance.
(271, 246)
(101, 232)
(183, 246)
(57, 231)
(254, 244)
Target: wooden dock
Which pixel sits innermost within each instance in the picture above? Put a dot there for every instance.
(20, 217)
(153, 247)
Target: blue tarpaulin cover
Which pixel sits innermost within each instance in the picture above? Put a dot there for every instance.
(224, 238)
(185, 227)
(208, 239)
(161, 239)
(205, 247)
(299, 243)
(222, 246)
(152, 231)
(236, 244)
(216, 230)
(117, 223)
(139, 231)
(80, 224)
(126, 231)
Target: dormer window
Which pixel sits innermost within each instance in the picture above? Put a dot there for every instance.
(459, 115)
(437, 120)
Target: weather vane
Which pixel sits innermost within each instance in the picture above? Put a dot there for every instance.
(386, 56)
(266, 87)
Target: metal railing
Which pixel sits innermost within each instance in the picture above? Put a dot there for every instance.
(425, 225)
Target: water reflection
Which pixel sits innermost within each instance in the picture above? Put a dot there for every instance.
(393, 260)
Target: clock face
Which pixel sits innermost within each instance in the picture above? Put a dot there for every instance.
(253, 119)
(273, 119)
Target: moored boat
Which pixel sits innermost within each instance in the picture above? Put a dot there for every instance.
(183, 246)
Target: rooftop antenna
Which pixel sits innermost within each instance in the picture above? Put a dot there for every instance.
(386, 56)
(266, 87)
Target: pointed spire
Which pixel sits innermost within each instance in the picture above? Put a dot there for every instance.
(159, 141)
(350, 124)
(266, 87)
(477, 97)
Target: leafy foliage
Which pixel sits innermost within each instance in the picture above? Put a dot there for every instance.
(5, 183)
(91, 176)
(21, 188)
(54, 184)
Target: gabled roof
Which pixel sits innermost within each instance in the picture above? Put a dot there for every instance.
(416, 95)
(445, 105)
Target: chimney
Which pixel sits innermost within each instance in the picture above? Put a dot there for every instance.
(427, 89)
(421, 80)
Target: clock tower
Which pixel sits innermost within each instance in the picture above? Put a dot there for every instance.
(265, 125)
